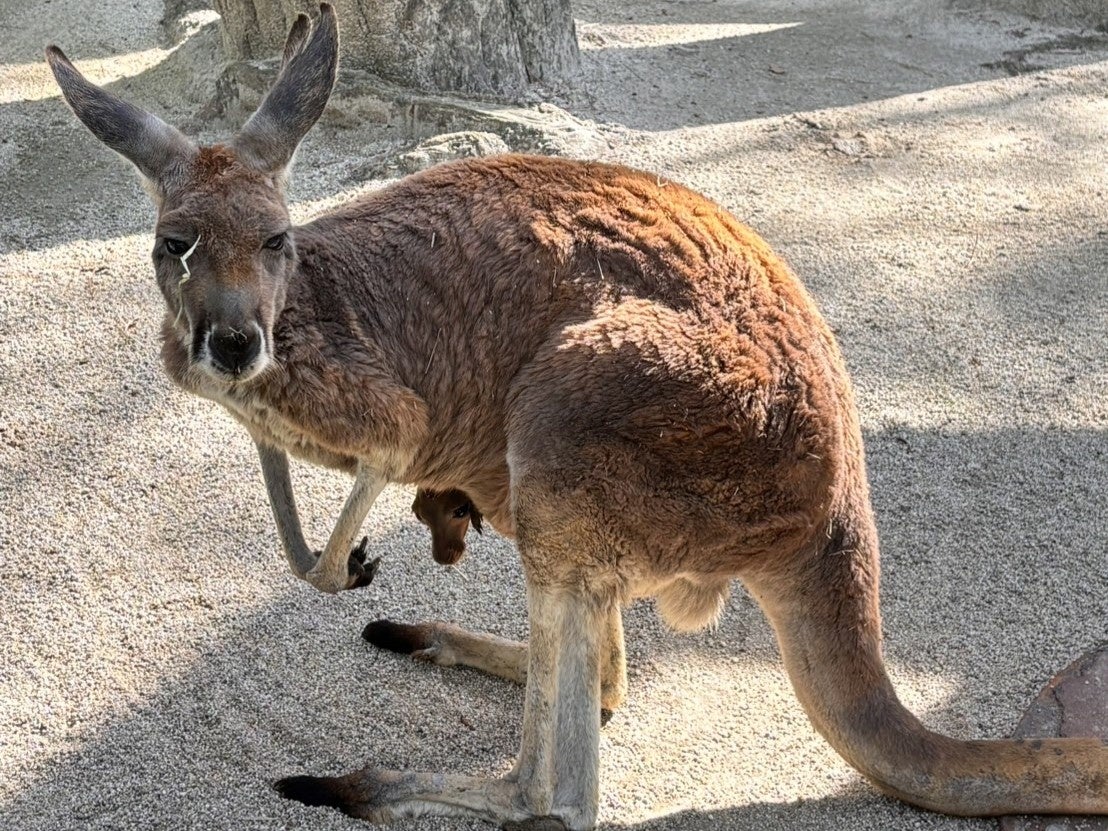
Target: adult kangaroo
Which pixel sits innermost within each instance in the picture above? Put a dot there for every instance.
(576, 346)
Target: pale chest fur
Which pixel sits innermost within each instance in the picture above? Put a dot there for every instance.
(275, 425)
(268, 425)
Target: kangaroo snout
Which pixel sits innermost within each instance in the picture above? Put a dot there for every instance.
(235, 350)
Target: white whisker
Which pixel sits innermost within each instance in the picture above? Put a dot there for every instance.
(184, 258)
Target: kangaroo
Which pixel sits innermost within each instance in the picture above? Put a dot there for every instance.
(448, 515)
(576, 346)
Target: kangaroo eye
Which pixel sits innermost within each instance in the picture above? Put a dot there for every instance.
(276, 242)
(462, 512)
(177, 247)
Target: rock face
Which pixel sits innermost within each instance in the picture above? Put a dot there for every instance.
(492, 47)
(1092, 13)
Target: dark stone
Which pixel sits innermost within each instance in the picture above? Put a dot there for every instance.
(1074, 703)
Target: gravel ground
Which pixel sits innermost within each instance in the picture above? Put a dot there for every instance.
(161, 666)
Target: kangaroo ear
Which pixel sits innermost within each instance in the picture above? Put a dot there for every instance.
(298, 35)
(269, 139)
(144, 139)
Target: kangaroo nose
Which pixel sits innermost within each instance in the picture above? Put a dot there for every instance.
(234, 349)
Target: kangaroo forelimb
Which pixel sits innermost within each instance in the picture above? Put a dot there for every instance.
(278, 485)
(336, 570)
(340, 566)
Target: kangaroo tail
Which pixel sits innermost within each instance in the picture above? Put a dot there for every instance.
(824, 608)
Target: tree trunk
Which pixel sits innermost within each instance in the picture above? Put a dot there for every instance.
(493, 47)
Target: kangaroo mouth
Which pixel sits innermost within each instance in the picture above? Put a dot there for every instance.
(448, 555)
(235, 376)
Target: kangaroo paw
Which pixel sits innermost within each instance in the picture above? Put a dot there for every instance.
(359, 573)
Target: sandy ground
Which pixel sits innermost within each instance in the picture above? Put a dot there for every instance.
(160, 665)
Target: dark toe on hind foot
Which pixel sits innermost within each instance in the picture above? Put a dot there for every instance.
(311, 790)
(396, 637)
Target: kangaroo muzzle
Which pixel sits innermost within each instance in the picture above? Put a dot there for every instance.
(235, 351)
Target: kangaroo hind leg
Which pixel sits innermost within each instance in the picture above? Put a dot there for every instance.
(558, 765)
(448, 645)
(556, 774)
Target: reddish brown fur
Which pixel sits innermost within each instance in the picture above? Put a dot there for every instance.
(576, 346)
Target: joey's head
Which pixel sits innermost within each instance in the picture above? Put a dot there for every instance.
(448, 514)
(224, 250)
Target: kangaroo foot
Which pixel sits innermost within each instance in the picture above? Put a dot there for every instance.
(385, 795)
